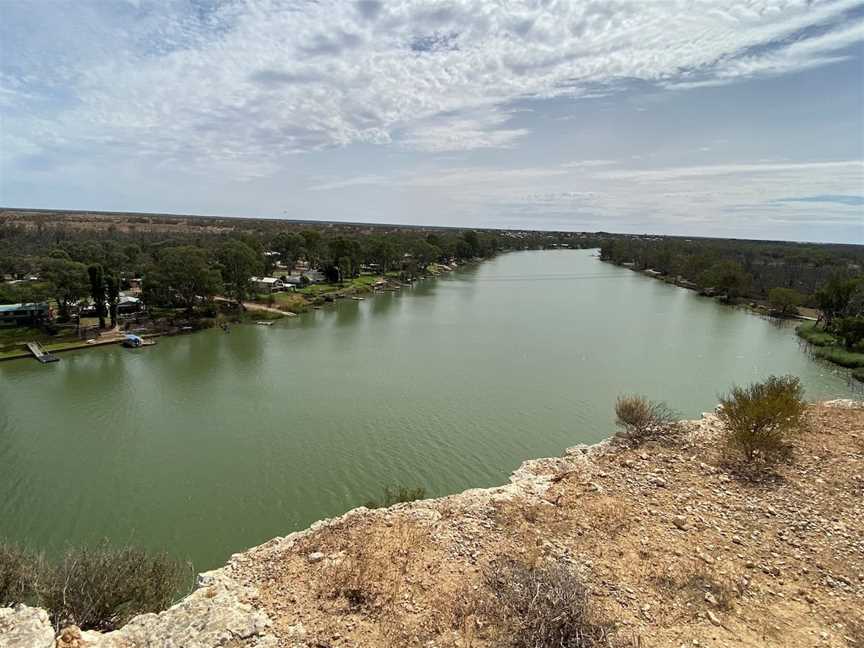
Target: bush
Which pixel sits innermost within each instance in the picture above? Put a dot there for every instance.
(19, 575)
(396, 495)
(104, 587)
(641, 419)
(543, 607)
(760, 419)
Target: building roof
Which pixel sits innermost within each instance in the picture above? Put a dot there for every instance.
(267, 280)
(11, 308)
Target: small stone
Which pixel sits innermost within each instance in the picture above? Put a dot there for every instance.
(713, 618)
(315, 557)
(680, 521)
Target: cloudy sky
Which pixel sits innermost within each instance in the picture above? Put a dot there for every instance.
(736, 118)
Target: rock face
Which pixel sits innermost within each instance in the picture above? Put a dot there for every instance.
(219, 614)
(24, 626)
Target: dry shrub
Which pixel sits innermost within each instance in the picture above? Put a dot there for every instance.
(372, 573)
(760, 419)
(103, 587)
(19, 575)
(641, 419)
(542, 607)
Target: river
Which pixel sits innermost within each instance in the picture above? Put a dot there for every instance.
(209, 443)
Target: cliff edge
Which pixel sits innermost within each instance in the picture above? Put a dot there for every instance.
(673, 549)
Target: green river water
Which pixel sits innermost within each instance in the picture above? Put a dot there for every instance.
(209, 443)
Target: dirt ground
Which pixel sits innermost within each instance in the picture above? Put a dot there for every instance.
(674, 549)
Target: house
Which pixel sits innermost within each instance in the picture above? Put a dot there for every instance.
(267, 284)
(128, 305)
(30, 314)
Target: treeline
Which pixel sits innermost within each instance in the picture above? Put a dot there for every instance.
(742, 269)
(187, 267)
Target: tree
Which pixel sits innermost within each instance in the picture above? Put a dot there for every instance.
(850, 330)
(67, 281)
(728, 277)
(785, 300)
(182, 275)
(840, 297)
(383, 252)
(97, 291)
(473, 242)
(424, 253)
(314, 245)
(239, 263)
(346, 255)
(112, 295)
(290, 247)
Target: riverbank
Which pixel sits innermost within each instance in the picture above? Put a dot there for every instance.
(278, 305)
(673, 549)
(827, 347)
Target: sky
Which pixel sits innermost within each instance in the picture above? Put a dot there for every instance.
(734, 118)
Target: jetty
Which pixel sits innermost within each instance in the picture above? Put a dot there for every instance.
(40, 353)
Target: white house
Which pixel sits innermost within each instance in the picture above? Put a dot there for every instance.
(267, 284)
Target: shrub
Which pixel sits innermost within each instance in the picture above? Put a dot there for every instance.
(396, 495)
(19, 575)
(642, 419)
(760, 419)
(543, 607)
(104, 587)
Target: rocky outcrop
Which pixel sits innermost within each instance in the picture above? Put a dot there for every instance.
(24, 626)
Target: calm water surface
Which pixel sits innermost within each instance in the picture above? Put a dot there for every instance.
(210, 443)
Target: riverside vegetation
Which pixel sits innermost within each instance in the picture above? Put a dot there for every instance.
(777, 277)
(693, 551)
(194, 271)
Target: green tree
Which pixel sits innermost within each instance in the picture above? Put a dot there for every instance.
(383, 252)
(239, 263)
(785, 300)
(68, 283)
(839, 297)
(97, 291)
(313, 243)
(290, 246)
(728, 277)
(850, 330)
(181, 275)
(112, 295)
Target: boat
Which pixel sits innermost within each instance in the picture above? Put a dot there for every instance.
(135, 342)
(264, 323)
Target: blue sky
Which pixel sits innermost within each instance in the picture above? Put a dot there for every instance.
(740, 118)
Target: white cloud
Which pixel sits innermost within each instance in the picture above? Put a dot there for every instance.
(252, 81)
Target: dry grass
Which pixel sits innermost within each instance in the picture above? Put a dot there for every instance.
(371, 573)
(701, 585)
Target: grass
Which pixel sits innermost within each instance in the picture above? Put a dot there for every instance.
(816, 336)
(840, 356)
(291, 302)
(828, 347)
